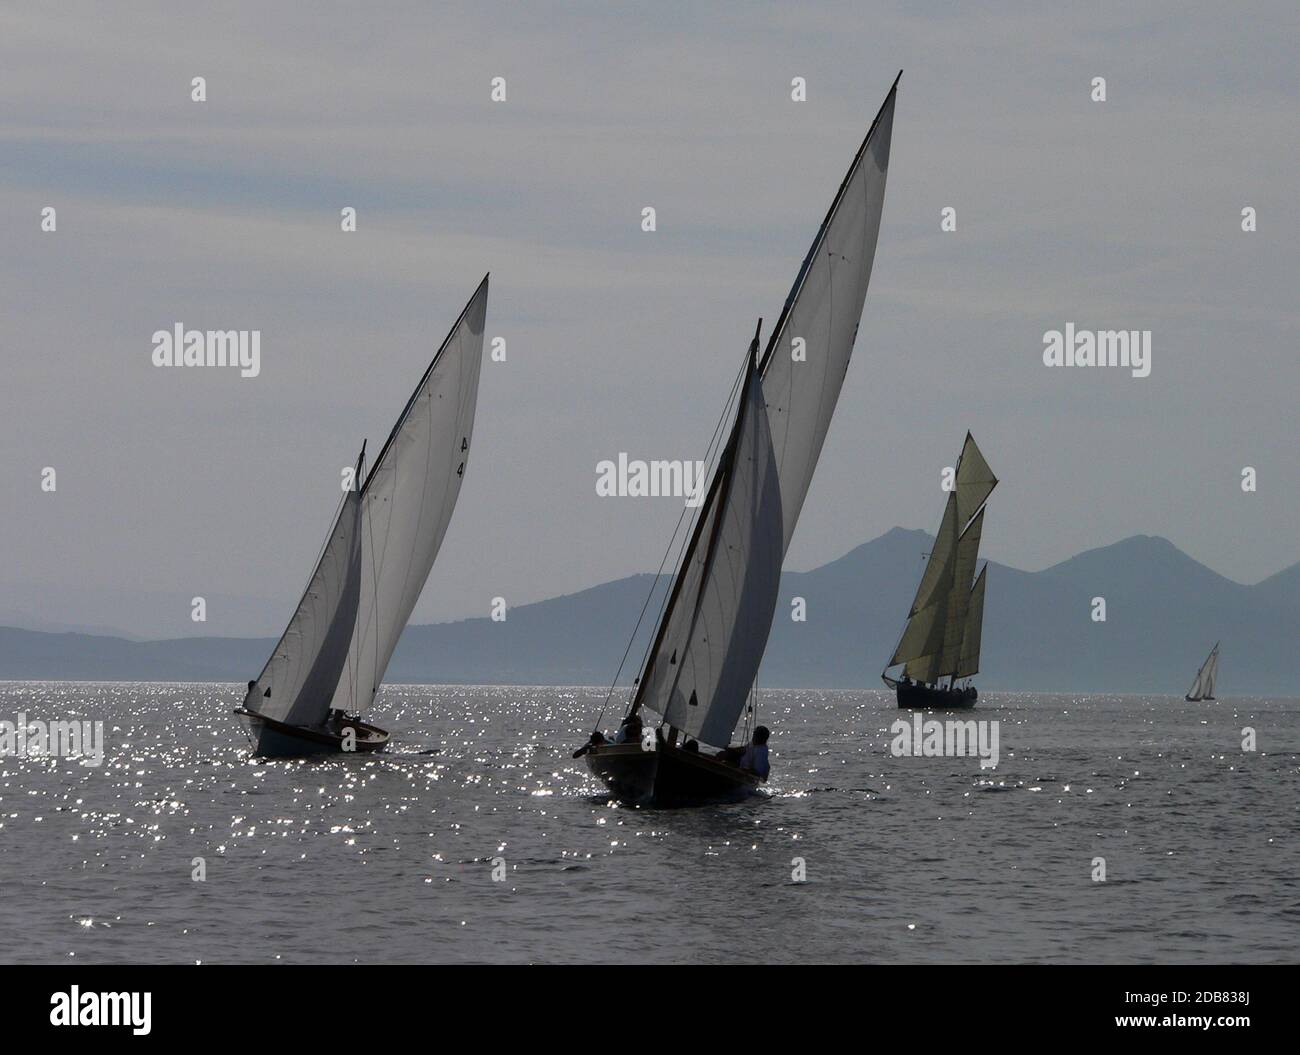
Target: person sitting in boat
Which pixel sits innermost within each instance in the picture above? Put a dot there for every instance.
(754, 758)
(629, 730)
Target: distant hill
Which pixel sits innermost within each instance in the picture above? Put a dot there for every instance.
(1164, 611)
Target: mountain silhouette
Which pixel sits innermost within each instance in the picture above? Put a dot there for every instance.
(1163, 613)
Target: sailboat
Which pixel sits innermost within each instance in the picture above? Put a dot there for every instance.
(699, 672)
(1203, 687)
(942, 636)
(329, 663)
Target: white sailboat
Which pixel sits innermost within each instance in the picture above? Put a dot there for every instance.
(1203, 687)
(329, 663)
(942, 635)
(704, 657)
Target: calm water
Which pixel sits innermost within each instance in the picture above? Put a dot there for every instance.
(389, 858)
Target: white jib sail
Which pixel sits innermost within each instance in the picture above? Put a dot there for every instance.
(716, 629)
(298, 680)
(408, 499)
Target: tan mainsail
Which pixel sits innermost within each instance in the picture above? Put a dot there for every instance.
(942, 634)
(968, 662)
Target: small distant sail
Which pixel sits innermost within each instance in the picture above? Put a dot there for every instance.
(298, 680)
(823, 310)
(1203, 687)
(408, 499)
(720, 613)
(939, 638)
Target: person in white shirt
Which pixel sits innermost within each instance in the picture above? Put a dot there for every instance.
(754, 757)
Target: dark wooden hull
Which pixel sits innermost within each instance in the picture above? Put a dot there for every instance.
(667, 776)
(272, 739)
(926, 698)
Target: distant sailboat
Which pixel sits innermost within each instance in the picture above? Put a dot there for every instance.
(942, 635)
(1203, 687)
(700, 669)
(330, 661)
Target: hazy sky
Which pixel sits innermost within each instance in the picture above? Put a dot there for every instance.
(225, 215)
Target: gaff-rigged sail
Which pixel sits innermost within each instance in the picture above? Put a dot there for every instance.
(808, 354)
(407, 502)
(298, 680)
(714, 629)
(943, 625)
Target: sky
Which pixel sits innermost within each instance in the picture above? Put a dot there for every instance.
(225, 214)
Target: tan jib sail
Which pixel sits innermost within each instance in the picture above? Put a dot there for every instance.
(1203, 687)
(942, 634)
(968, 662)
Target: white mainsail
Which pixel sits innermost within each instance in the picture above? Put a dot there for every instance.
(710, 644)
(808, 354)
(1203, 687)
(935, 639)
(407, 502)
(298, 680)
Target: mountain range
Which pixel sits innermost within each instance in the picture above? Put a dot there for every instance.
(1163, 613)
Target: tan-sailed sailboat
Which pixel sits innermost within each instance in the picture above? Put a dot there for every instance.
(944, 626)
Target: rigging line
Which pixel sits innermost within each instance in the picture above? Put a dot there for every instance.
(710, 454)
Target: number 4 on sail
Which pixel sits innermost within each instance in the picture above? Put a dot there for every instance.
(328, 665)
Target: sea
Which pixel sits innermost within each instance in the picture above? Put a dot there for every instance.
(1114, 829)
